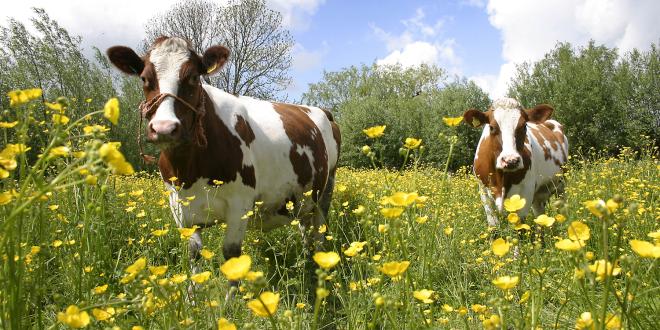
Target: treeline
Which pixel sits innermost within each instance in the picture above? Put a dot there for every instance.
(605, 100)
(53, 60)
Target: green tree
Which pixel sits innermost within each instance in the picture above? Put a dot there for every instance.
(604, 100)
(410, 101)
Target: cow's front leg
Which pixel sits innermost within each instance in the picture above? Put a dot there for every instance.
(487, 201)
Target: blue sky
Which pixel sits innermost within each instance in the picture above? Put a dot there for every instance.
(344, 33)
(482, 40)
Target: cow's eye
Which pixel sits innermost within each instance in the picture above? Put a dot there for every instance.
(145, 81)
(493, 129)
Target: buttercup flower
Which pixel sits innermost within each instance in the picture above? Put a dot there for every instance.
(506, 282)
(326, 260)
(200, 278)
(412, 143)
(111, 110)
(452, 121)
(375, 131)
(578, 231)
(394, 268)
(265, 305)
(603, 268)
(514, 203)
(391, 212)
(544, 220)
(500, 247)
(235, 269)
(645, 249)
(73, 317)
(224, 324)
(424, 296)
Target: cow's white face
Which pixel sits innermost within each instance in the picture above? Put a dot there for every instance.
(171, 67)
(509, 125)
(168, 58)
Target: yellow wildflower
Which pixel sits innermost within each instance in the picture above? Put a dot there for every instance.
(186, 233)
(375, 131)
(265, 305)
(59, 151)
(513, 218)
(412, 143)
(60, 119)
(235, 269)
(206, 254)
(103, 314)
(391, 212)
(491, 323)
(158, 270)
(424, 295)
(18, 97)
(452, 121)
(514, 203)
(603, 268)
(506, 282)
(4, 124)
(6, 197)
(645, 249)
(584, 321)
(326, 260)
(500, 247)
(100, 289)
(224, 324)
(569, 245)
(578, 231)
(111, 110)
(73, 317)
(544, 220)
(200, 277)
(402, 198)
(394, 268)
(597, 207)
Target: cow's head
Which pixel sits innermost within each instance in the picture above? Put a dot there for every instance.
(170, 67)
(507, 129)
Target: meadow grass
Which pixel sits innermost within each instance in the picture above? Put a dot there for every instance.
(414, 245)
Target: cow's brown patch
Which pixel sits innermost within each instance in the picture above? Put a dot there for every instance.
(244, 130)
(303, 132)
(221, 160)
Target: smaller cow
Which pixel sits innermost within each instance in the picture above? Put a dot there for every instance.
(519, 152)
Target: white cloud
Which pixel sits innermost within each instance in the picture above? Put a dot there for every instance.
(296, 13)
(418, 43)
(105, 23)
(529, 29)
(305, 60)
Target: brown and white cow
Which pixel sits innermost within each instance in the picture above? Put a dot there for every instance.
(264, 152)
(519, 152)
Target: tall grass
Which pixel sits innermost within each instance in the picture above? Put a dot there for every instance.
(73, 234)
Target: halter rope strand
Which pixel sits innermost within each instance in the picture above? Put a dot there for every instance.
(147, 109)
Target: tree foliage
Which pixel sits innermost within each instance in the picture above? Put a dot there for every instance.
(410, 101)
(603, 99)
(260, 47)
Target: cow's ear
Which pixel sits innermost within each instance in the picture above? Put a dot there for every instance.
(475, 118)
(125, 60)
(214, 58)
(539, 113)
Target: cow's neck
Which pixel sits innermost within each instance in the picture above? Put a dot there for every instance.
(220, 160)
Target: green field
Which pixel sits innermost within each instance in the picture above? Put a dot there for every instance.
(70, 228)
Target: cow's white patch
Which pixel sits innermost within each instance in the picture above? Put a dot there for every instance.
(506, 113)
(168, 57)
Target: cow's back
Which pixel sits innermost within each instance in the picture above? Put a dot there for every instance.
(292, 148)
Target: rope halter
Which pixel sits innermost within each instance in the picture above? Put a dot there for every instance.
(148, 108)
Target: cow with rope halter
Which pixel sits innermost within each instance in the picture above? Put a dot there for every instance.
(228, 151)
